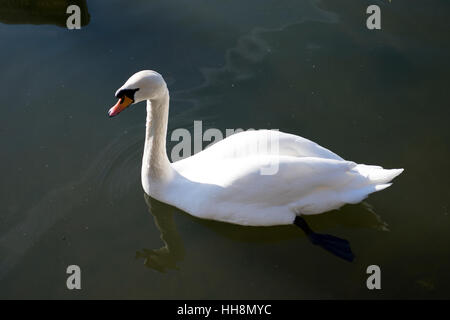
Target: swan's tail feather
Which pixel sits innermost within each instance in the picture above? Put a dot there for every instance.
(357, 195)
(376, 174)
(370, 179)
(379, 187)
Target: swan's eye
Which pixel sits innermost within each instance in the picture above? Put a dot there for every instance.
(127, 93)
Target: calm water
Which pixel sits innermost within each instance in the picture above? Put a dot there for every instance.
(70, 189)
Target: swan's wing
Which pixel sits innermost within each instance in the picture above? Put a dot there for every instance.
(272, 180)
(262, 142)
(243, 189)
(279, 180)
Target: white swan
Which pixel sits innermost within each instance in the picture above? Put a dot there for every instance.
(225, 181)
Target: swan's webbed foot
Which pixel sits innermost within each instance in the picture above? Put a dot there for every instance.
(337, 246)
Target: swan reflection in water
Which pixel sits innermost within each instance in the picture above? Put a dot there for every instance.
(172, 253)
(167, 256)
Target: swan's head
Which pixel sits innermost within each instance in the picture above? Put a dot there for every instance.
(143, 85)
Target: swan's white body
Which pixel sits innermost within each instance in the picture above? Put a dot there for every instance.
(225, 182)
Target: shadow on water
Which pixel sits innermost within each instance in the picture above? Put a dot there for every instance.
(167, 256)
(172, 252)
(40, 12)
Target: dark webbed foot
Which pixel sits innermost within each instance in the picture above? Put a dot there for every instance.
(337, 246)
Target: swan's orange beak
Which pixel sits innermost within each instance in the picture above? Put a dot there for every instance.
(121, 105)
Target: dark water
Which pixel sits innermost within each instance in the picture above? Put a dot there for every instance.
(70, 189)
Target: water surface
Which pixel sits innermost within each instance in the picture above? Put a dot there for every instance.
(70, 191)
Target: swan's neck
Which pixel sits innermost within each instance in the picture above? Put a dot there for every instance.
(155, 165)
